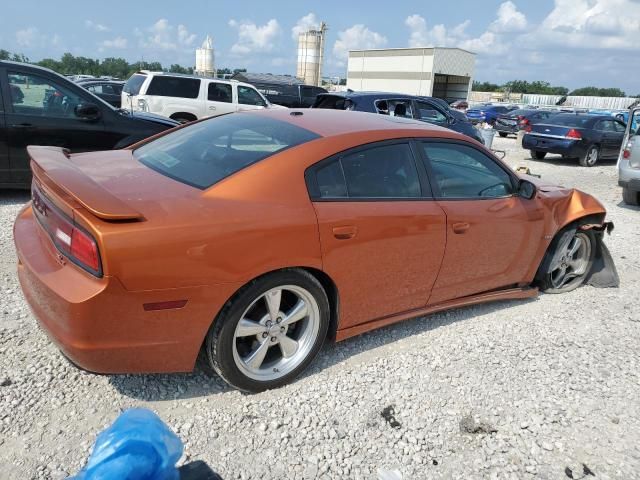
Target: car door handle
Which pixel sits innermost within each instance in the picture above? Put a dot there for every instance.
(461, 227)
(211, 107)
(345, 233)
(22, 125)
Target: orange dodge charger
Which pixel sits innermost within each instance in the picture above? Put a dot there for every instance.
(257, 235)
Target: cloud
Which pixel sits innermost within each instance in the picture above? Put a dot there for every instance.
(164, 36)
(438, 36)
(98, 27)
(27, 37)
(355, 38)
(305, 23)
(253, 38)
(509, 20)
(116, 43)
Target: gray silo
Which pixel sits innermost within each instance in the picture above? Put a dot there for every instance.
(311, 55)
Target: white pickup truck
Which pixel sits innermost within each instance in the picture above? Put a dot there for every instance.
(187, 97)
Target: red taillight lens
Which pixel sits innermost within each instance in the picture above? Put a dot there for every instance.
(524, 121)
(573, 133)
(528, 128)
(84, 249)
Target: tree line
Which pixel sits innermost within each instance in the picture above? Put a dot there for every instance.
(109, 67)
(539, 87)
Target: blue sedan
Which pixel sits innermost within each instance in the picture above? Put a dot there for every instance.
(488, 113)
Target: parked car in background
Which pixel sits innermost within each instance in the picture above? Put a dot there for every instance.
(488, 113)
(629, 160)
(282, 90)
(588, 138)
(108, 90)
(185, 98)
(426, 109)
(40, 107)
(255, 237)
(460, 105)
(520, 119)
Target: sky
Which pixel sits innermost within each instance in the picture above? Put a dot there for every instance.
(571, 43)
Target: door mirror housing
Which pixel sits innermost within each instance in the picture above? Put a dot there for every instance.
(526, 189)
(451, 119)
(88, 111)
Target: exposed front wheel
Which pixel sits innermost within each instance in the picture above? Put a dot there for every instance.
(630, 197)
(538, 155)
(270, 331)
(590, 158)
(568, 262)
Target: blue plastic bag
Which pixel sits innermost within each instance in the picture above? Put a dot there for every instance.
(138, 446)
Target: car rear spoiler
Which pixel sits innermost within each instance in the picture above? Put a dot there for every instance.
(52, 166)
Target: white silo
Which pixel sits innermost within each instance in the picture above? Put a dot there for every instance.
(311, 55)
(205, 65)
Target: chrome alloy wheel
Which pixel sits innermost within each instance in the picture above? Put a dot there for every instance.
(592, 156)
(276, 333)
(573, 263)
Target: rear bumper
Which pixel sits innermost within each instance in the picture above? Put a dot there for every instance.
(568, 148)
(98, 324)
(506, 128)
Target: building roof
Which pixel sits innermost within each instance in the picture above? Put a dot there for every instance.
(400, 50)
(266, 78)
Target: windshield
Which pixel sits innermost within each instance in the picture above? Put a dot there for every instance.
(132, 87)
(204, 153)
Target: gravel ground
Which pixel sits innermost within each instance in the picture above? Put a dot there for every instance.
(517, 389)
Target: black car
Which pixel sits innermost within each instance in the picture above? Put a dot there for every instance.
(108, 90)
(521, 119)
(282, 90)
(588, 138)
(426, 109)
(40, 107)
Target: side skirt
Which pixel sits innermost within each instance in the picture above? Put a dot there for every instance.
(510, 294)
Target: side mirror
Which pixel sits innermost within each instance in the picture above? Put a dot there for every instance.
(88, 111)
(451, 120)
(526, 189)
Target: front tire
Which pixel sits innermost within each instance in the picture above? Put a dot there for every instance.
(630, 197)
(538, 155)
(568, 261)
(270, 331)
(590, 158)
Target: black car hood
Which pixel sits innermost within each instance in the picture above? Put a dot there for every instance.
(152, 117)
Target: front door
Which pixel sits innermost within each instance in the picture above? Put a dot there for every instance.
(219, 99)
(381, 232)
(250, 99)
(492, 234)
(42, 112)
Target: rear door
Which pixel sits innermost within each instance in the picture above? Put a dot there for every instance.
(5, 167)
(219, 99)
(492, 234)
(381, 232)
(610, 140)
(250, 99)
(41, 111)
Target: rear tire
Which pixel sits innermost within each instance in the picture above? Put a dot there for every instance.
(285, 318)
(568, 261)
(503, 134)
(630, 197)
(538, 155)
(590, 158)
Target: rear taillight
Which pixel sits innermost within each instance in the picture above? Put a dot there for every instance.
(70, 240)
(573, 133)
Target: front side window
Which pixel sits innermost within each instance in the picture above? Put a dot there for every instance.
(133, 85)
(619, 127)
(460, 171)
(386, 171)
(164, 86)
(249, 96)
(219, 92)
(204, 153)
(35, 95)
(428, 113)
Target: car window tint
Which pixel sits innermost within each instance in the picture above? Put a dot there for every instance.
(206, 152)
(331, 182)
(464, 172)
(35, 95)
(164, 86)
(333, 102)
(386, 171)
(248, 96)
(619, 127)
(132, 87)
(428, 113)
(219, 92)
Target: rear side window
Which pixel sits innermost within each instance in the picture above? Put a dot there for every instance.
(386, 171)
(570, 120)
(333, 102)
(163, 86)
(132, 87)
(204, 153)
(219, 92)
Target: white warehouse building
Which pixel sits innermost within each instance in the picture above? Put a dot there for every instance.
(433, 72)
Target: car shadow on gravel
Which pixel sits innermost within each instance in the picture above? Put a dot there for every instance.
(568, 162)
(628, 207)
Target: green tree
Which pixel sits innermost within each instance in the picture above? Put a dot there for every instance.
(598, 92)
(175, 68)
(485, 87)
(4, 54)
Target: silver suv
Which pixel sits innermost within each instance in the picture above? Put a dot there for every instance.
(629, 160)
